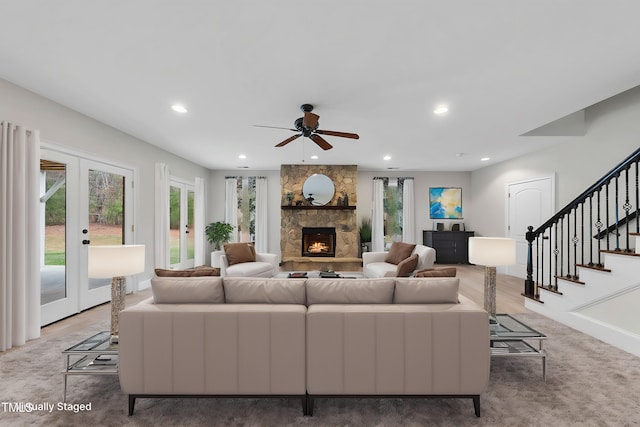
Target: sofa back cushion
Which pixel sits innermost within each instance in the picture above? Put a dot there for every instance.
(258, 290)
(426, 290)
(239, 252)
(350, 291)
(187, 290)
(398, 252)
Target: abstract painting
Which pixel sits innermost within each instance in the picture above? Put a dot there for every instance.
(445, 202)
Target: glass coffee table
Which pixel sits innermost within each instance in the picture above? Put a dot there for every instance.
(95, 355)
(509, 338)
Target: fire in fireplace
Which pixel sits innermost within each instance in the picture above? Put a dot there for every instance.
(318, 241)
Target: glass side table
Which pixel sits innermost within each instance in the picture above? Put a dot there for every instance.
(94, 356)
(509, 338)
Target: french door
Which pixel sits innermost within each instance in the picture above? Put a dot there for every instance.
(83, 202)
(181, 221)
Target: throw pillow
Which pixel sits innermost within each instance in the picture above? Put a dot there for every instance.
(161, 272)
(406, 266)
(398, 252)
(437, 272)
(202, 270)
(239, 252)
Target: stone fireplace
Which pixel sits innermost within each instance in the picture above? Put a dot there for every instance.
(318, 241)
(299, 214)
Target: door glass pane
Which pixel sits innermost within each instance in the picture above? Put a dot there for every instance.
(53, 259)
(106, 213)
(190, 233)
(174, 225)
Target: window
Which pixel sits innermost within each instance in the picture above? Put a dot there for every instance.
(392, 203)
(246, 209)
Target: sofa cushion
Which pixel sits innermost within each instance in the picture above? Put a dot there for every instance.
(250, 269)
(187, 290)
(406, 266)
(257, 290)
(239, 252)
(426, 290)
(202, 270)
(350, 291)
(437, 272)
(398, 252)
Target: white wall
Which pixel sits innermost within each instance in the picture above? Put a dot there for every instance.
(67, 128)
(613, 133)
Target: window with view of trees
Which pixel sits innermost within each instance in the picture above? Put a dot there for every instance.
(392, 211)
(246, 209)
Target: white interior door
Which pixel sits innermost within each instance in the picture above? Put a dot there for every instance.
(82, 202)
(530, 202)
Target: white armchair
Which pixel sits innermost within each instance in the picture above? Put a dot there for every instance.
(265, 265)
(373, 264)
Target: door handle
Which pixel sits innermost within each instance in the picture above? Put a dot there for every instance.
(86, 242)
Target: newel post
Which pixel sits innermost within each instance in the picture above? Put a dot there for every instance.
(528, 283)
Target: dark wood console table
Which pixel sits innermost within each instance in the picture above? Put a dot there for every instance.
(452, 247)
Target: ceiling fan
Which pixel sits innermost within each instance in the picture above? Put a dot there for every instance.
(308, 127)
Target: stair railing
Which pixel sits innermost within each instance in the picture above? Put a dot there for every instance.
(596, 220)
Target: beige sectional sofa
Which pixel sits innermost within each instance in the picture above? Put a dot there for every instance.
(304, 338)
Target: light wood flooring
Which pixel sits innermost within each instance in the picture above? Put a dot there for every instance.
(508, 300)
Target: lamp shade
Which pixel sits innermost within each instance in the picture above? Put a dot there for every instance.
(115, 260)
(492, 251)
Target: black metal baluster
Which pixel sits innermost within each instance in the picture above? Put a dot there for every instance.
(557, 252)
(575, 243)
(582, 231)
(591, 230)
(627, 208)
(569, 245)
(541, 243)
(598, 228)
(606, 211)
(617, 210)
(637, 199)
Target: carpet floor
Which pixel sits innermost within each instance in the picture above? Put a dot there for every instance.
(589, 383)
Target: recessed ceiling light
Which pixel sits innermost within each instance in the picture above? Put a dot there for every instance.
(387, 157)
(179, 108)
(242, 156)
(484, 159)
(314, 157)
(441, 109)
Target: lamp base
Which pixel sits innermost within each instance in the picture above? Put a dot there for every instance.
(118, 292)
(490, 291)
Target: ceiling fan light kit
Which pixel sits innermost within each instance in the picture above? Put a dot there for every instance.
(308, 127)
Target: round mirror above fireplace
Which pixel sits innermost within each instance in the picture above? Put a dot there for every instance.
(318, 189)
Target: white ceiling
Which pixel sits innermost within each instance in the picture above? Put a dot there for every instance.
(377, 68)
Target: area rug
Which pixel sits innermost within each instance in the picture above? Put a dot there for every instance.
(589, 383)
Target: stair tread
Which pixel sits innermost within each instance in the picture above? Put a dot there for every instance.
(620, 252)
(533, 297)
(594, 267)
(570, 279)
(550, 289)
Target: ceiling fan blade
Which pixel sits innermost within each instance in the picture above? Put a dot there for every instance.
(288, 140)
(274, 127)
(340, 134)
(310, 120)
(320, 141)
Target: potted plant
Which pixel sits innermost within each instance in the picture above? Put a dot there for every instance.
(365, 234)
(289, 197)
(218, 233)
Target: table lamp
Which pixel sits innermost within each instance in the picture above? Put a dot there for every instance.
(491, 252)
(116, 261)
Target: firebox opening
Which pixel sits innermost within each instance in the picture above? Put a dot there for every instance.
(318, 241)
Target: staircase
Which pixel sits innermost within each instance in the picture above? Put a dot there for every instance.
(583, 266)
